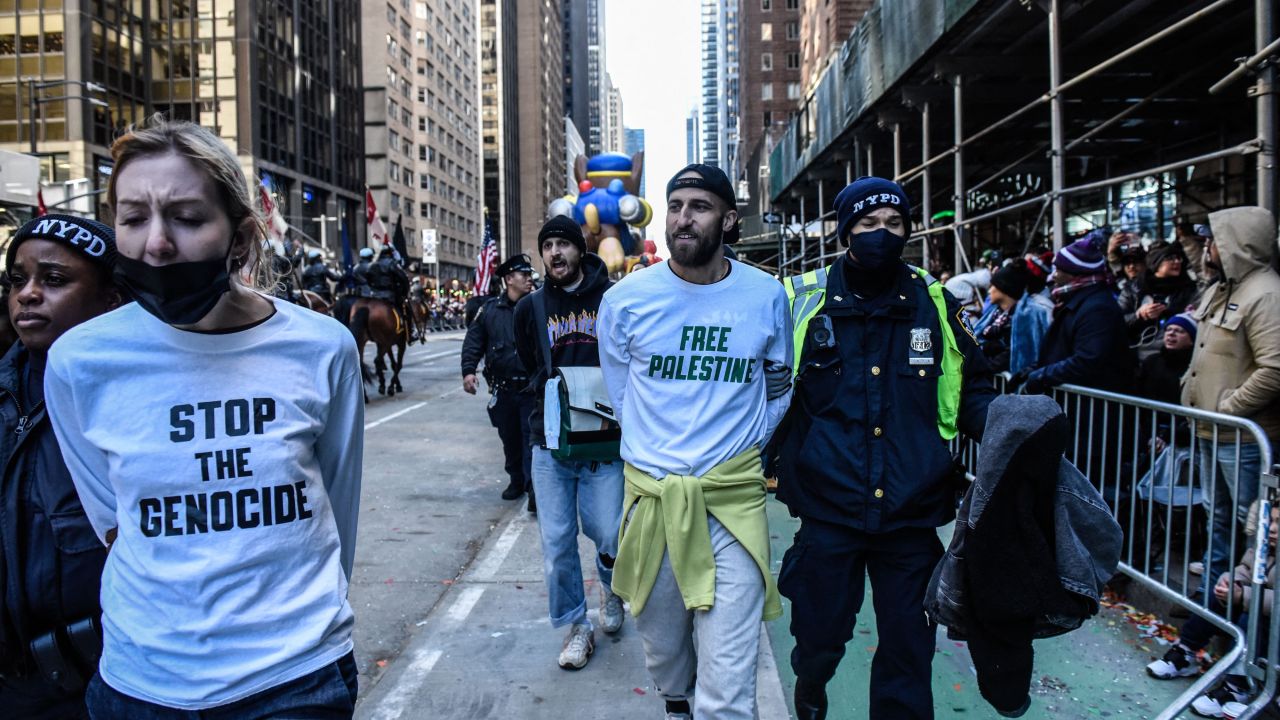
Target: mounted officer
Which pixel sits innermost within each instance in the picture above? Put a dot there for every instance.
(388, 281)
(317, 276)
(492, 336)
(887, 374)
(361, 273)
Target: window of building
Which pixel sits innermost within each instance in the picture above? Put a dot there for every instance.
(392, 18)
(766, 32)
(766, 61)
(422, 152)
(766, 91)
(793, 61)
(395, 202)
(421, 10)
(793, 91)
(793, 4)
(766, 5)
(395, 172)
(393, 140)
(793, 30)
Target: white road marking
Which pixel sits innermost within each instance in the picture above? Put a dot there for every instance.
(465, 603)
(771, 701)
(437, 356)
(394, 415)
(421, 664)
(411, 408)
(424, 659)
(489, 565)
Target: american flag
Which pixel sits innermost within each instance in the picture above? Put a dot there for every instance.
(486, 261)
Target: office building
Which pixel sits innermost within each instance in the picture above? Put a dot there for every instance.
(499, 126)
(586, 91)
(279, 82)
(634, 143)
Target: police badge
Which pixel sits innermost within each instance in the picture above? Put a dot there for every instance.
(920, 341)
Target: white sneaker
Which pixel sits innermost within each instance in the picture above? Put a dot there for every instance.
(1210, 704)
(611, 613)
(1177, 662)
(578, 646)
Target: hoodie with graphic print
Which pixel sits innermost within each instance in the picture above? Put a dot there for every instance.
(570, 329)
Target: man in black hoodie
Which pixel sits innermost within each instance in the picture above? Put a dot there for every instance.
(559, 322)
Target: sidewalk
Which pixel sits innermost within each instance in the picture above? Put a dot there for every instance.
(487, 651)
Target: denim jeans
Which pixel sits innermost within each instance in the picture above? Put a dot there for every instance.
(567, 491)
(326, 694)
(1218, 483)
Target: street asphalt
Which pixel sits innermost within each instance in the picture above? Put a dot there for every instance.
(451, 606)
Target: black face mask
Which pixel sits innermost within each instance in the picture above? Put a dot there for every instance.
(177, 294)
(877, 248)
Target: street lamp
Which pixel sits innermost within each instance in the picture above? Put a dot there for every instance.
(34, 102)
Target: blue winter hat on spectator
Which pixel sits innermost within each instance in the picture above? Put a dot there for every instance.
(1081, 257)
(864, 196)
(1184, 321)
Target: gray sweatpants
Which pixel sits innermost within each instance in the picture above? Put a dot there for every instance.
(719, 646)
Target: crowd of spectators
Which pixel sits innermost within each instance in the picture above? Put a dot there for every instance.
(1193, 321)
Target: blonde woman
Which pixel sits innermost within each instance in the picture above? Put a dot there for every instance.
(215, 438)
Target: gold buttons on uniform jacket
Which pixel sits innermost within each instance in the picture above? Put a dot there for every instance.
(921, 373)
(879, 493)
(878, 432)
(875, 370)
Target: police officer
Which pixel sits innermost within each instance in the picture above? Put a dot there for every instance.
(49, 634)
(317, 276)
(361, 273)
(388, 281)
(886, 375)
(492, 336)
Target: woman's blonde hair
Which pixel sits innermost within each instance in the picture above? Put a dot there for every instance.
(160, 136)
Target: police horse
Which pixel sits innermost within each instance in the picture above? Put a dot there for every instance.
(374, 320)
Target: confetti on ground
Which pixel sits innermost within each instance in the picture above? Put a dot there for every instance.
(957, 687)
(1149, 626)
(638, 691)
(382, 663)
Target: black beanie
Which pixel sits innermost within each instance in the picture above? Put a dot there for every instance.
(713, 180)
(90, 238)
(1011, 280)
(562, 226)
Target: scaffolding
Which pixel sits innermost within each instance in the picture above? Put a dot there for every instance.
(1143, 111)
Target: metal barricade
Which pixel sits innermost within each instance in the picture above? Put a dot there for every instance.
(1158, 466)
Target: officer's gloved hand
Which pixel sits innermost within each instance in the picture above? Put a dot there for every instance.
(1017, 380)
(777, 379)
(1035, 384)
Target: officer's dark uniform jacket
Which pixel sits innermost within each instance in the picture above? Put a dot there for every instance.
(361, 276)
(316, 279)
(492, 336)
(382, 280)
(50, 558)
(876, 389)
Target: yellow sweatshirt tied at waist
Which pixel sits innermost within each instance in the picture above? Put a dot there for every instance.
(671, 514)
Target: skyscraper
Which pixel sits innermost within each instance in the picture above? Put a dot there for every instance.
(538, 112)
(585, 82)
(423, 143)
(279, 82)
(693, 137)
(720, 82)
(499, 127)
(633, 144)
(616, 131)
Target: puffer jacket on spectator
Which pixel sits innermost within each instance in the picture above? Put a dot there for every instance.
(1235, 368)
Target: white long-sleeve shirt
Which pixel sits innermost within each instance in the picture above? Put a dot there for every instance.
(230, 466)
(685, 365)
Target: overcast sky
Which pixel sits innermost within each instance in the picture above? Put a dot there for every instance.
(659, 83)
